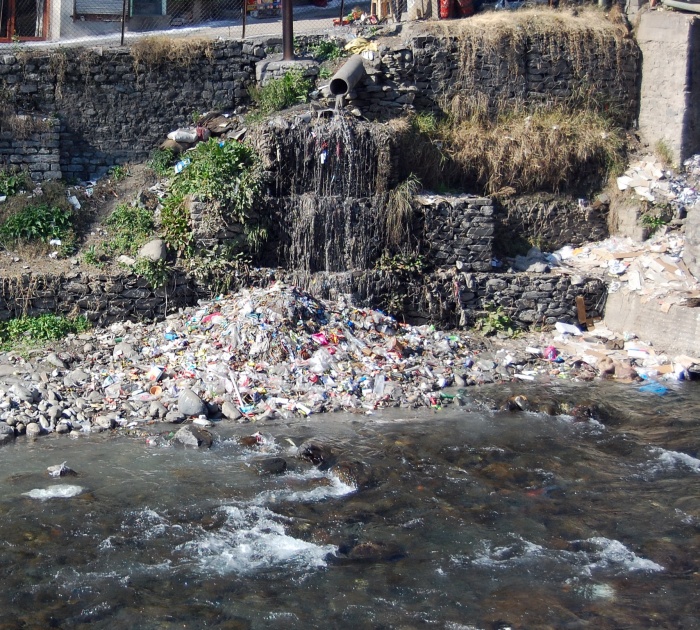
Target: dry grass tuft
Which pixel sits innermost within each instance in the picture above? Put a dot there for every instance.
(398, 218)
(152, 51)
(548, 149)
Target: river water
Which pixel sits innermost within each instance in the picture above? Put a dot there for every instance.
(460, 518)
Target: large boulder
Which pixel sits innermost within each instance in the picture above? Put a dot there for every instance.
(154, 250)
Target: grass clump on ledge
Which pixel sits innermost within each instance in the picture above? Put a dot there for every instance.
(46, 327)
(521, 150)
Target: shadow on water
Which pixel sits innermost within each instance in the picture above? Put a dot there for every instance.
(468, 518)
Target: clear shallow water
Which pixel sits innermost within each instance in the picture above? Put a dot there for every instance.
(456, 519)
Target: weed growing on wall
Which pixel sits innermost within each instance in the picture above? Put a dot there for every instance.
(155, 272)
(398, 211)
(278, 94)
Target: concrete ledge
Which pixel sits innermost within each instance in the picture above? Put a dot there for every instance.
(675, 332)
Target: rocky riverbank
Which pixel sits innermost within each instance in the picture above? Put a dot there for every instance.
(270, 353)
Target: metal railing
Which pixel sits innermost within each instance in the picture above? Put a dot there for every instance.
(101, 22)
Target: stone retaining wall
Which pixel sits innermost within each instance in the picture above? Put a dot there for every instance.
(36, 149)
(447, 297)
(115, 107)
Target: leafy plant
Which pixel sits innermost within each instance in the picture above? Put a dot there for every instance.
(256, 236)
(11, 182)
(46, 327)
(407, 263)
(161, 161)
(92, 256)
(324, 73)
(326, 50)
(131, 226)
(495, 321)
(40, 222)
(155, 272)
(119, 173)
(277, 94)
(175, 223)
(653, 222)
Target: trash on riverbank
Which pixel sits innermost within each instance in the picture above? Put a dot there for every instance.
(277, 352)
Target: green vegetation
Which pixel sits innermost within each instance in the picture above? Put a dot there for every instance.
(131, 227)
(403, 263)
(12, 182)
(326, 50)
(42, 328)
(37, 222)
(653, 221)
(161, 162)
(495, 321)
(155, 272)
(92, 256)
(228, 173)
(278, 94)
(118, 173)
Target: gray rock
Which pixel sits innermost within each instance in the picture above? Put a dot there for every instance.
(230, 411)
(157, 410)
(486, 365)
(62, 427)
(193, 436)
(126, 260)
(124, 350)
(33, 429)
(189, 404)
(104, 422)
(54, 360)
(271, 466)
(76, 377)
(21, 392)
(154, 250)
(174, 416)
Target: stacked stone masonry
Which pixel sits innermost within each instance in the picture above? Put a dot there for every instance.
(114, 107)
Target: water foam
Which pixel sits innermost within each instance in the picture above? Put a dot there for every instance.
(62, 491)
(669, 460)
(612, 554)
(335, 488)
(254, 539)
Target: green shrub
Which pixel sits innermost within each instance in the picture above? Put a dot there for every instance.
(11, 183)
(131, 227)
(40, 222)
(279, 94)
(162, 161)
(155, 272)
(326, 50)
(43, 328)
(229, 172)
(175, 223)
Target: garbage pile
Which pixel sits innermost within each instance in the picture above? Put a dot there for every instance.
(654, 269)
(277, 352)
(657, 185)
(211, 124)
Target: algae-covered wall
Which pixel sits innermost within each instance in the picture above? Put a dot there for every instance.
(116, 105)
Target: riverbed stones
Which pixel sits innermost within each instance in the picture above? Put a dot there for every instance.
(190, 404)
(194, 437)
(271, 466)
(33, 429)
(230, 411)
(7, 433)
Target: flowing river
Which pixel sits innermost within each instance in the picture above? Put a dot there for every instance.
(462, 519)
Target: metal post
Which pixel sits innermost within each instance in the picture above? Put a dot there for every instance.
(342, 10)
(123, 20)
(245, 16)
(287, 30)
